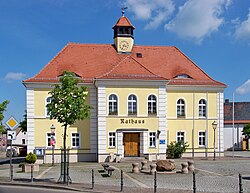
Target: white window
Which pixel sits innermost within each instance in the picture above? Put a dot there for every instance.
(152, 104)
(75, 140)
(50, 137)
(180, 136)
(180, 108)
(113, 105)
(202, 108)
(112, 139)
(48, 100)
(132, 105)
(202, 138)
(152, 139)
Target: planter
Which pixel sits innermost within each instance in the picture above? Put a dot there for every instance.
(27, 167)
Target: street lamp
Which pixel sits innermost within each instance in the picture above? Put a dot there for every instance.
(214, 125)
(52, 141)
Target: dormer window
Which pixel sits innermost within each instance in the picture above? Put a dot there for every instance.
(182, 76)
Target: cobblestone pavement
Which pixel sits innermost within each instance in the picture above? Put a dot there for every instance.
(211, 176)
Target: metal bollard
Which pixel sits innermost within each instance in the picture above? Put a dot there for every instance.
(155, 183)
(31, 172)
(93, 179)
(11, 172)
(194, 183)
(121, 181)
(240, 184)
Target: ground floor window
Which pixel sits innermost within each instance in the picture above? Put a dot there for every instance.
(75, 140)
(112, 139)
(152, 139)
(50, 137)
(202, 138)
(180, 136)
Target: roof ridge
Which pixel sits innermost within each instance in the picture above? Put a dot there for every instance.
(198, 67)
(107, 73)
(59, 53)
(146, 68)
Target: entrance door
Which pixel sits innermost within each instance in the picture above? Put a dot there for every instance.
(131, 144)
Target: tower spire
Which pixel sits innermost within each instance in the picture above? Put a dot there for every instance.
(123, 10)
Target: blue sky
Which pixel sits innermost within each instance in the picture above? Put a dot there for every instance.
(215, 34)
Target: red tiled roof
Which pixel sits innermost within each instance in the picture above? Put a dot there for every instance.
(123, 21)
(101, 61)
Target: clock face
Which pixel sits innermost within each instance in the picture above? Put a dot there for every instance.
(124, 45)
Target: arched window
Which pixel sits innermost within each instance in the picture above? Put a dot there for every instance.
(48, 100)
(180, 108)
(132, 105)
(113, 110)
(202, 108)
(151, 104)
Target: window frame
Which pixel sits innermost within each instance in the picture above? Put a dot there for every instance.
(113, 104)
(202, 136)
(202, 107)
(132, 101)
(178, 136)
(182, 107)
(46, 102)
(112, 139)
(48, 139)
(71, 140)
(152, 139)
(151, 103)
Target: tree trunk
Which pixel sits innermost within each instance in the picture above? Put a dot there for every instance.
(64, 154)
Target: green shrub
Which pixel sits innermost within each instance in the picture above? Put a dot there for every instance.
(31, 158)
(176, 149)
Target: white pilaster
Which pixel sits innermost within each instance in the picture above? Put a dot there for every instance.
(30, 119)
(101, 114)
(144, 142)
(220, 121)
(93, 120)
(162, 118)
(120, 146)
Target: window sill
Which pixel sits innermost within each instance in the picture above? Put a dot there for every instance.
(152, 115)
(152, 147)
(112, 147)
(181, 117)
(75, 147)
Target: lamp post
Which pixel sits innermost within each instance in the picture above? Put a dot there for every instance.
(52, 141)
(214, 125)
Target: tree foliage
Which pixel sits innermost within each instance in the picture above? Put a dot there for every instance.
(176, 149)
(23, 123)
(68, 100)
(246, 131)
(3, 107)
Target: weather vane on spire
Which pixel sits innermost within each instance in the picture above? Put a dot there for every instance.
(123, 10)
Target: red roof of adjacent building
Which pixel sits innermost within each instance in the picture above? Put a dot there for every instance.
(101, 61)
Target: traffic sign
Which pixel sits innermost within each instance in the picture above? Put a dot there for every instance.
(12, 123)
(11, 135)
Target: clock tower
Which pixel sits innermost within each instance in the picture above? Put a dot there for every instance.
(123, 35)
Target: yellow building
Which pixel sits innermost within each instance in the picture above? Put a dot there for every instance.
(144, 97)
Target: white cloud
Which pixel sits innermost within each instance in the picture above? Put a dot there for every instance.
(10, 76)
(154, 11)
(244, 88)
(197, 19)
(242, 31)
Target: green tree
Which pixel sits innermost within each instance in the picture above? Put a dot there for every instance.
(3, 107)
(176, 149)
(68, 105)
(23, 123)
(246, 131)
